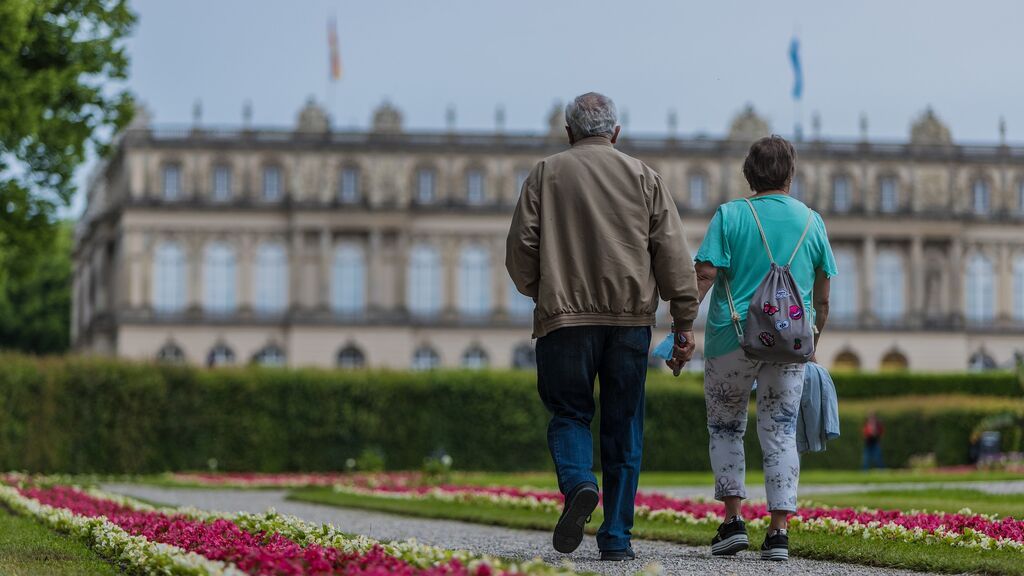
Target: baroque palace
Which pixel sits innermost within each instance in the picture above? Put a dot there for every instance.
(385, 248)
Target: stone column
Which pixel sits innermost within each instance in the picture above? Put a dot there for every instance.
(375, 299)
(246, 288)
(400, 264)
(450, 273)
(194, 253)
(1004, 286)
(917, 280)
(500, 298)
(296, 262)
(956, 281)
(324, 291)
(867, 287)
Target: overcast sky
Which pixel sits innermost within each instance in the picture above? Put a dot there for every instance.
(885, 59)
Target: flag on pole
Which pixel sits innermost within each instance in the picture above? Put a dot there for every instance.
(798, 74)
(335, 54)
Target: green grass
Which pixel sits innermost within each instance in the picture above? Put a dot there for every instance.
(29, 549)
(666, 479)
(935, 558)
(941, 500)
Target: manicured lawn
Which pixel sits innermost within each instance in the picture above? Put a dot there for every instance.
(941, 500)
(665, 479)
(933, 558)
(29, 549)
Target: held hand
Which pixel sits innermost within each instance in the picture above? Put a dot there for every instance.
(682, 352)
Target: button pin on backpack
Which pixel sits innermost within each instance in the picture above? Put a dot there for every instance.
(782, 325)
(782, 294)
(767, 338)
(796, 312)
(770, 309)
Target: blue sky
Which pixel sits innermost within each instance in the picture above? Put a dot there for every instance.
(885, 59)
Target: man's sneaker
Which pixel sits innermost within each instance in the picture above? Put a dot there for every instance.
(579, 504)
(776, 546)
(624, 555)
(731, 538)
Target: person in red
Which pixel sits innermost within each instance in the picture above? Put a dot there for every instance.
(872, 432)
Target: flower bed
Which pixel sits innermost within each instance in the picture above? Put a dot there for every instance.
(959, 529)
(147, 540)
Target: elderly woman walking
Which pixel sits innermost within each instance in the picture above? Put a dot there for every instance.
(739, 250)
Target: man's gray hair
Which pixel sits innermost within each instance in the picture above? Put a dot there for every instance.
(591, 114)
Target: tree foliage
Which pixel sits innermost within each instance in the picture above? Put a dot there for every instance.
(62, 63)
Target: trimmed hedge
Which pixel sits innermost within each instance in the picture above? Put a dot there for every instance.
(81, 415)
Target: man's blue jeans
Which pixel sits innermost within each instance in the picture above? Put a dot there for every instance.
(568, 360)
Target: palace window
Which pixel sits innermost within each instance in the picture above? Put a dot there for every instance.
(796, 188)
(169, 278)
(520, 306)
(842, 194)
(221, 183)
(171, 182)
(980, 292)
(348, 185)
(270, 278)
(348, 280)
(271, 355)
(890, 290)
(980, 199)
(425, 358)
(524, 357)
(271, 183)
(219, 278)
(425, 284)
(1018, 288)
(170, 353)
(846, 361)
(698, 191)
(475, 187)
(894, 361)
(475, 358)
(889, 200)
(351, 358)
(220, 355)
(474, 281)
(845, 285)
(426, 185)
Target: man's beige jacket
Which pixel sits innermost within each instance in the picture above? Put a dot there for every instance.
(595, 238)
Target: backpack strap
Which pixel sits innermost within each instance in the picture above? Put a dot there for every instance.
(764, 239)
(810, 216)
(733, 314)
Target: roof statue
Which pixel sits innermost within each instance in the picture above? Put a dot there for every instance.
(747, 126)
(928, 130)
(387, 119)
(313, 118)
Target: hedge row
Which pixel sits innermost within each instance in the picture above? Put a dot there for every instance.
(90, 415)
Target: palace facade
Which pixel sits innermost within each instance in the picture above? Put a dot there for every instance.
(385, 248)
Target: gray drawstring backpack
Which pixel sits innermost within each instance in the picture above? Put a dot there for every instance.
(778, 329)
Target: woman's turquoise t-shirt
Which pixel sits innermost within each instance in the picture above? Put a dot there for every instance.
(733, 245)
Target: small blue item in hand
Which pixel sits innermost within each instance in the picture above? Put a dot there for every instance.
(664, 348)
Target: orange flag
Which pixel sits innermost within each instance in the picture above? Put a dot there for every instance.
(335, 54)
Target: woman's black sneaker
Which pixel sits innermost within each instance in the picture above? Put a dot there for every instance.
(579, 504)
(776, 546)
(731, 538)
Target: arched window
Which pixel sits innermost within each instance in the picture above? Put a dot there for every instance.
(425, 358)
(894, 361)
(890, 291)
(980, 199)
(170, 353)
(348, 185)
(981, 289)
(889, 199)
(272, 183)
(474, 281)
(348, 280)
(219, 278)
(270, 278)
(842, 194)
(1018, 288)
(169, 278)
(171, 179)
(426, 185)
(796, 188)
(475, 186)
(980, 361)
(220, 355)
(844, 301)
(350, 358)
(475, 358)
(698, 191)
(221, 183)
(524, 357)
(846, 361)
(424, 288)
(520, 306)
(270, 355)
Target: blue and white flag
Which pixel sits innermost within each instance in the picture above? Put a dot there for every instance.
(798, 74)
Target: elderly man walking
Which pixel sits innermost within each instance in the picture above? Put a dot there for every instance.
(594, 240)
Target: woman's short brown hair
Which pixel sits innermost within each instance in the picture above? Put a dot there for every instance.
(769, 164)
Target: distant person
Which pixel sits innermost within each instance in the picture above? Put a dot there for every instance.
(595, 239)
(872, 432)
(732, 264)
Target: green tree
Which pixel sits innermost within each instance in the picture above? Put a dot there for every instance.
(62, 66)
(35, 305)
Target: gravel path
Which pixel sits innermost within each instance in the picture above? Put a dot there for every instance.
(506, 542)
(756, 492)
